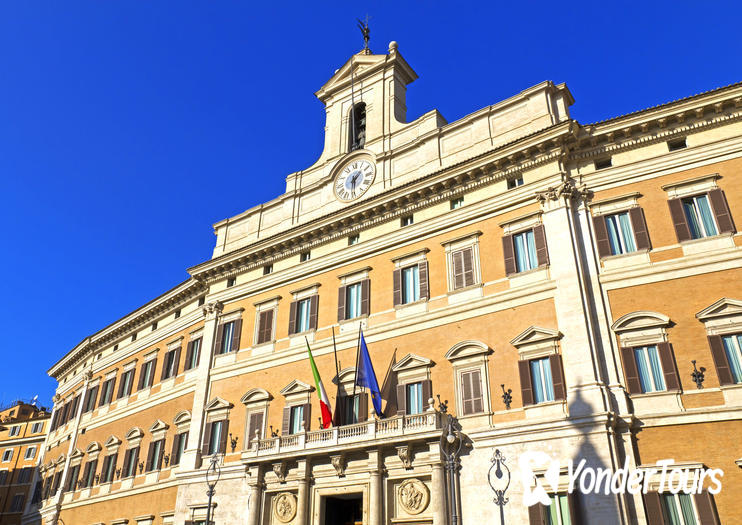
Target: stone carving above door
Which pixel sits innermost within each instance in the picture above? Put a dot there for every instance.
(413, 496)
(284, 507)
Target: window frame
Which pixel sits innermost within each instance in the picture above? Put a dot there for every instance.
(457, 245)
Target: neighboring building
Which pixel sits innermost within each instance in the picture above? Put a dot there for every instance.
(23, 429)
(583, 269)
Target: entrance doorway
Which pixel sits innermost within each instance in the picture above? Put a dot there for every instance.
(346, 509)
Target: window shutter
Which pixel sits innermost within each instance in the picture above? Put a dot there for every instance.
(509, 253)
(574, 509)
(265, 326)
(365, 296)
(286, 421)
(94, 396)
(557, 377)
(122, 383)
(338, 418)
(152, 375)
(721, 211)
(397, 282)
(526, 388)
(189, 356)
(313, 311)
(174, 450)
(85, 473)
(341, 303)
(307, 416)
(101, 399)
(630, 370)
(601, 236)
(471, 383)
(707, 514)
(682, 231)
(539, 239)
(422, 269)
(223, 436)
(236, 335)
(141, 376)
(672, 381)
(468, 258)
(292, 317)
(150, 457)
(639, 224)
(255, 426)
(466, 393)
(163, 373)
(158, 465)
(207, 440)
(654, 509)
(427, 392)
(127, 458)
(362, 407)
(458, 269)
(135, 455)
(723, 370)
(219, 338)
(401, 400)
(176, 361)
(536, 515)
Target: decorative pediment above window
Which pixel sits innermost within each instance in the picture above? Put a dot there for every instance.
(536, 341)
(218, 404)
(182, 420)
(158, 429)
(641, 328)
(60, 460)
(346, 375)
(93, 447)
(413, 368)
(76, 457)
(112, 443)
(297, 391)
(256, 395)
(134, 436)
(724, 316)
(468, 349)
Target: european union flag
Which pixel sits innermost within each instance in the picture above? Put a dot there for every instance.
(365, 376)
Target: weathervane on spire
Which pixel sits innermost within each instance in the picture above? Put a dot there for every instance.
(366, 32)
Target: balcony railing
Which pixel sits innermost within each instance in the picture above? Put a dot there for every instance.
(396, 426)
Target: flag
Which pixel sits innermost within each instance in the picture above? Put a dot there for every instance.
(324, 401)
(365, 376)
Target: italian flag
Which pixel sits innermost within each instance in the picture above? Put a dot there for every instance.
(324, 401)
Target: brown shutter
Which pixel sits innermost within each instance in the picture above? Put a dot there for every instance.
(458, 269)
(236, 335)
(176, 361)
(265, 326)
(401, 400)
(207, 440)
(255, 425)
(631, 371)
(341, 303)
(466, 393)
(422, 269)
(509, 253)
(468, 258)
(723, 370)
(152, 375)
(397, 283)
(539, 239)
(362, 407)
(427, 392)
(286, 421)
(526, 388)
(338, 418)
(313, 311)
(120, 393)
(135, 454)
(365, 296)
(574, 509)
(536, 515)
(682, 231)
(654, 509)
(721, 211)
(707, 514)
(601, 236)
(307, 416)
(223, 436)
(141, 376)
(160, 455)
(639, 224)
(557, 377)
(150, 457)
(476, 403)
(292, 317)
(163, 373)
(672, 381)
(219, 338)
(189, 356)
(174, 449)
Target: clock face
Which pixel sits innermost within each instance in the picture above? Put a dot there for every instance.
(354, 180)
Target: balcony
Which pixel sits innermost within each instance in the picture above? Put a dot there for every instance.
(376, 431)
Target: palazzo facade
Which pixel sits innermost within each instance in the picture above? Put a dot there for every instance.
(562, 288)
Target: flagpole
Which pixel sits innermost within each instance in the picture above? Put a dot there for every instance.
(335, 349)
(358, 354)
(336, 416)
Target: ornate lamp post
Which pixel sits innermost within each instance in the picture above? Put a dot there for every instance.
(499, 480)
(451, 444)
(212, 478)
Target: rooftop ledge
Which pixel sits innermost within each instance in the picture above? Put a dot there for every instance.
(345, 437)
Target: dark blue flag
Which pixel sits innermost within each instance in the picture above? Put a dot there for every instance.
(365, 376)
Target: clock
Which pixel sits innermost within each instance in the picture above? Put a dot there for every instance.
(354, 179)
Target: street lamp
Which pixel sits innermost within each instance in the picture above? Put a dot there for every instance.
(212, 478)
(451, 444)
(499, 479)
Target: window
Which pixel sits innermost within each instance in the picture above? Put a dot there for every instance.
(72, 479)
(193, 353)
(127, 380)
(154, 457)
(7, 455)
(463, 268)
(30, 453)
(354, 239)
(353, 408)
(525, 251)
(227, 334)
(305, 256)
(357, 127)
(109, 468)
(543, 388)
(457, 203)
(14, 431)
(177, 313)
(410, 284)
(17, 504)
(414, 399)
(699, 217)
(106, 395)
(558, 513)
(216, 437)
(154, 326)
(676, 144)
(25, 475)
(353, 301)
(303, 315)
(37, 427)
(130, 463)
(514, 183)
(296, 423)
(678, 509)
(265, 326)
(407, 220)
(268, 268)
(201, 301)
(471, 392)
(231, 282)
(133, 337)
(601, 164)
(115, 347)
(147, 374)
(37, 493)
(620, 234)
(3, 477)
(649, 367)
(170, 363)
(88, 476)
(90, 398)
(179, 444)
(733, 351)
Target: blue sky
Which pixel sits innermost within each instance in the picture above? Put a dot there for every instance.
(128, 128)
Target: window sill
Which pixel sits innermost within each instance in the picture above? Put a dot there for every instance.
(264, 348)
(708, 244)
(547, 409)
(405, 310)
(297, 339)
(351, 325)
(624, 260)
(732, 394)
(225, 359)
(653, 402)
(529, 276)
(143, 393)
(468, 293)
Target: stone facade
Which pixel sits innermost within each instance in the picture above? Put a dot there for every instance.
(476, 258)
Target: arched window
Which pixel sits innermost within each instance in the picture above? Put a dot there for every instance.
(357, 126)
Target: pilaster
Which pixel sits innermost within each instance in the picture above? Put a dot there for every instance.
(375, 501)
(302, 495)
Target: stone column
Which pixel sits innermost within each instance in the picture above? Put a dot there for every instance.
(375, 496)
(437, 489)
(302, 496)
(191, 459)
(255, 494)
